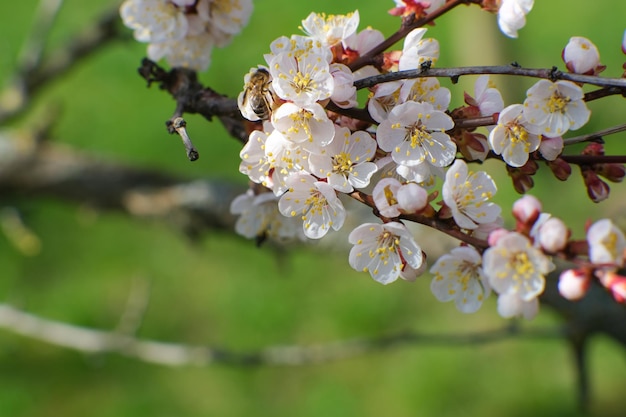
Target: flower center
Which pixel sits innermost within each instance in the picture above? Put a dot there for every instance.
(557, 103)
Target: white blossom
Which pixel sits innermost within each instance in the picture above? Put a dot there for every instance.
(512, 305)
(514, 266)
(459, 276)
(426, 89)
(487, 96)
(308, 126)
(467, 194)
(345, 162)
(384, 98)
(556, 107)
(316, 202)
(417, 51)
(384, 250)
(414, 133)
(304, 79)
(259, 218)
(512, 15)
(607, 244)
(514, 137)
(344, 91)
(331, 29)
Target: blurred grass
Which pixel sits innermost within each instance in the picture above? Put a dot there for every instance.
(223, 291)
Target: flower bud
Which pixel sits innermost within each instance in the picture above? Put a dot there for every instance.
(597, 189)
(561, 169)
(624, 43)
(495, 235)
(615, 283)
(551, 148)
(581, 56)
(412, 198)
(553, 235)
(611, 171)
(526, 210)
(573, 284)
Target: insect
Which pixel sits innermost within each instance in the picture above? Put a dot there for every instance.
(257, 95)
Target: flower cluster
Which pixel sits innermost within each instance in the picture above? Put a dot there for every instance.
(402, 154)
(185, 31)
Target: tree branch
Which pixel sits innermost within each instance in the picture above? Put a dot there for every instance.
(87, 340)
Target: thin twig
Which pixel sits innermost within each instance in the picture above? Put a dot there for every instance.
(454, 73)
(595, 135)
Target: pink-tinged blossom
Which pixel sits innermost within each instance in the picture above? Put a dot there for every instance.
(484, 230)
(514, 137)
(308, 126)
(515, 266)
(556, 107)
(512, 305)
(304, 80)
(364, 41)
(551, 148)
(330, 29)
(344, 91)
(458, 276)
(487, 97)
(581, 56)
(624, 43)
(259, 218)
(345, 162)
(467, 194)
(385, 197)
(383, 250)
(512, 15)
(417, 51)
(386, 97)
(573, 284)
(607, 244)
(428, 90)
(414, 133)
(316, 202)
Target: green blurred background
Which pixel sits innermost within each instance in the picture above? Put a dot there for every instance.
(223, 291)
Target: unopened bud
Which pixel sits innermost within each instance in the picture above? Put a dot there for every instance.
(573, 284)
(611, 171)
(597, 189)
(561, 169)
(553, 235)
(551, 148)
(526, 210)
(581, 56)
(411, 198)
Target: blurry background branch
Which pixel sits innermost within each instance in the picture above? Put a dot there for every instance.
(34, 71)
(35, 168)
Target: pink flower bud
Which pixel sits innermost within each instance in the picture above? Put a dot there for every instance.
(581, 56)
(624, 43)
(573, 284)
(551, 148)
(412, 198)
(553, 235)
(496, 235)
(561, 169)
(526, 210)
(611, 171)
(597, 189)
(615, 283)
